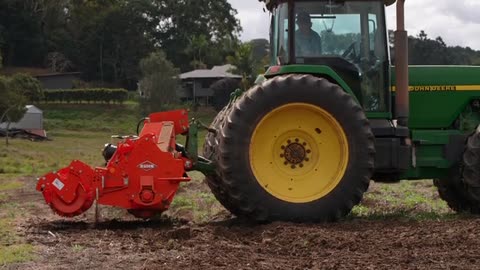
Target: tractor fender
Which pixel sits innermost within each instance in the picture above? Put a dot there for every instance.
(315, 70)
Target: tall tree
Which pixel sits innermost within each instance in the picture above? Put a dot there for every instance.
(105, 39)
(110, 37)
(426, 51)
(260, 48)
(181, 20)
(197, 46)
(29, 29)
(245, 64)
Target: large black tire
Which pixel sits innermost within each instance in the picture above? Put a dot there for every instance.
(236, 185)
(461, 189)
(210, 148)
(222, 90)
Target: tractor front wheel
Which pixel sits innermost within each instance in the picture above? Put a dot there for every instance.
(295, 148)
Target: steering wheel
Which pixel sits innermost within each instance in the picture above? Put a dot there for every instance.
(350, 51)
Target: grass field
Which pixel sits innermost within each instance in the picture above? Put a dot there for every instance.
(79, 131)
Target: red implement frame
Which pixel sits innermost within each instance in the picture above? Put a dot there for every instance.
(142, 176)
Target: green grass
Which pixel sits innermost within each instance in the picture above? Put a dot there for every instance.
(12, 250)
(36, 158)
(411, 200)
(78, 131)
(111, 118)
(77, 248)
(10, 185)
(16, 254)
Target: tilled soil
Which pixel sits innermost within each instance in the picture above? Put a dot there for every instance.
(231, 244)
(228, 243)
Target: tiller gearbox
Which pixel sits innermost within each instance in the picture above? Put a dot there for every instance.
(142, 173)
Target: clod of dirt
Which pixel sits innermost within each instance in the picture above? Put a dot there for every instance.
(183, 233)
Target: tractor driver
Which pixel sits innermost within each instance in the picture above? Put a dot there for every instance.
(307, 41)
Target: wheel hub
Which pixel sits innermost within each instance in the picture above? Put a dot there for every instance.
(295, 153)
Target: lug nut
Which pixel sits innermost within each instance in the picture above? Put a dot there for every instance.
(309, 151)
(286, 163)
(297, 140)
(301, 165)
(281, 155)
(293, 167)
(304, 144)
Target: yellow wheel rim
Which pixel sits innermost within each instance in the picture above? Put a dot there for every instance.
(298, 152)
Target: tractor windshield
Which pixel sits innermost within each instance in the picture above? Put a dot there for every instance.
(348, 36)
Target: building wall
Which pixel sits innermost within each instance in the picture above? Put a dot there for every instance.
(57, 81)
(202, 88)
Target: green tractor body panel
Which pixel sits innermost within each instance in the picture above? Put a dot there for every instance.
(441, 116)
(431, 148)
(439, 94)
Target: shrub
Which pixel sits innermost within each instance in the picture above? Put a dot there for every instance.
(104, 95)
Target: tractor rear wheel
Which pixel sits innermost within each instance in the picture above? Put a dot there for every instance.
(295, 148)
(210, 149)
(461, 190)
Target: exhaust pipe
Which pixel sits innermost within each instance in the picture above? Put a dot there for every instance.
(402, 106)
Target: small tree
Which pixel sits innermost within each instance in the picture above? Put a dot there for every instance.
(16, 92)
(27, 86)
(159, 83)
(12, 103)
(57, 62)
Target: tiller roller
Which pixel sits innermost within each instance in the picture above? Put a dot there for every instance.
(142, 172)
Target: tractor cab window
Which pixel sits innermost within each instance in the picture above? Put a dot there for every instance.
(280, 34)
(347, 36)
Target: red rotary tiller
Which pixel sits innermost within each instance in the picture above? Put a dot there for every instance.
(142, 173)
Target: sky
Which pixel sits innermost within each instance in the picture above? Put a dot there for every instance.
(456, 21)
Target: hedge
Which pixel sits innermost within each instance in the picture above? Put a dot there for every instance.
(104, 95)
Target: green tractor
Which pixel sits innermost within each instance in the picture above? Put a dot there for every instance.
(331, 114)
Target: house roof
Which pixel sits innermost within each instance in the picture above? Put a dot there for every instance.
(33, 109)
(215, 72)
(58, 74)
(225, 68)
(33, 71)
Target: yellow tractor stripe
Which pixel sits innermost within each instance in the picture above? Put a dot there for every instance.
(427, 88)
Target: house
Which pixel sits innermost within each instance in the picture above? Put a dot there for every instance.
(64, 80)
(196, 84)
(47, 78)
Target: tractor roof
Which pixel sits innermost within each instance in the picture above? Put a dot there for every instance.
(271, 3)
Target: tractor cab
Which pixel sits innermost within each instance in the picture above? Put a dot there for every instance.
(349, 37)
